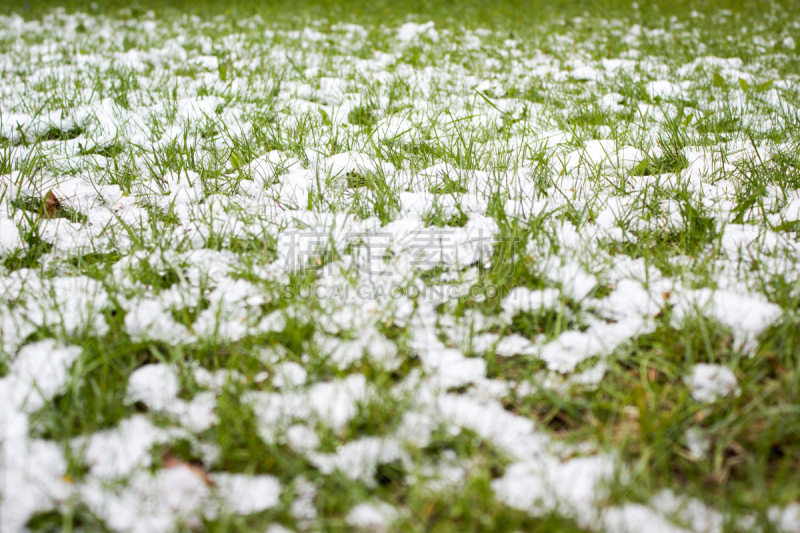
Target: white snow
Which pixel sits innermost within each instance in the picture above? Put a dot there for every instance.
(288, 374)
(359, 459)
(787, 520)
(154, 385)
(245, 494)
(401, 263)
(709, 383)
(371, 517)
(747, 316)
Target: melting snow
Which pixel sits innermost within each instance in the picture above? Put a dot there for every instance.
(708, 383)
(182, 229)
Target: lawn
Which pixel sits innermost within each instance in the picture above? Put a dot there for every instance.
(428, 267)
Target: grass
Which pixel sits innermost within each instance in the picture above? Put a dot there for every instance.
(186, 142)
(643, 409)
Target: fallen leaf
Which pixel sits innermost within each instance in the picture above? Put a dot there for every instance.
(170, 460)
(50, 205)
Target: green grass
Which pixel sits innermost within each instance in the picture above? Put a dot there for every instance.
(505, 113)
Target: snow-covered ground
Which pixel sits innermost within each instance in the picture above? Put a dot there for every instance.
(283, 256)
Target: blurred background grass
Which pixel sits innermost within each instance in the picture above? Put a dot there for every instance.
(469, 13)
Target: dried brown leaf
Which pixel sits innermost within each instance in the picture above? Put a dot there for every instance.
(50, 205)
(170, 460)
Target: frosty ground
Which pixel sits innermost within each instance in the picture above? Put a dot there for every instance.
(312, 275)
